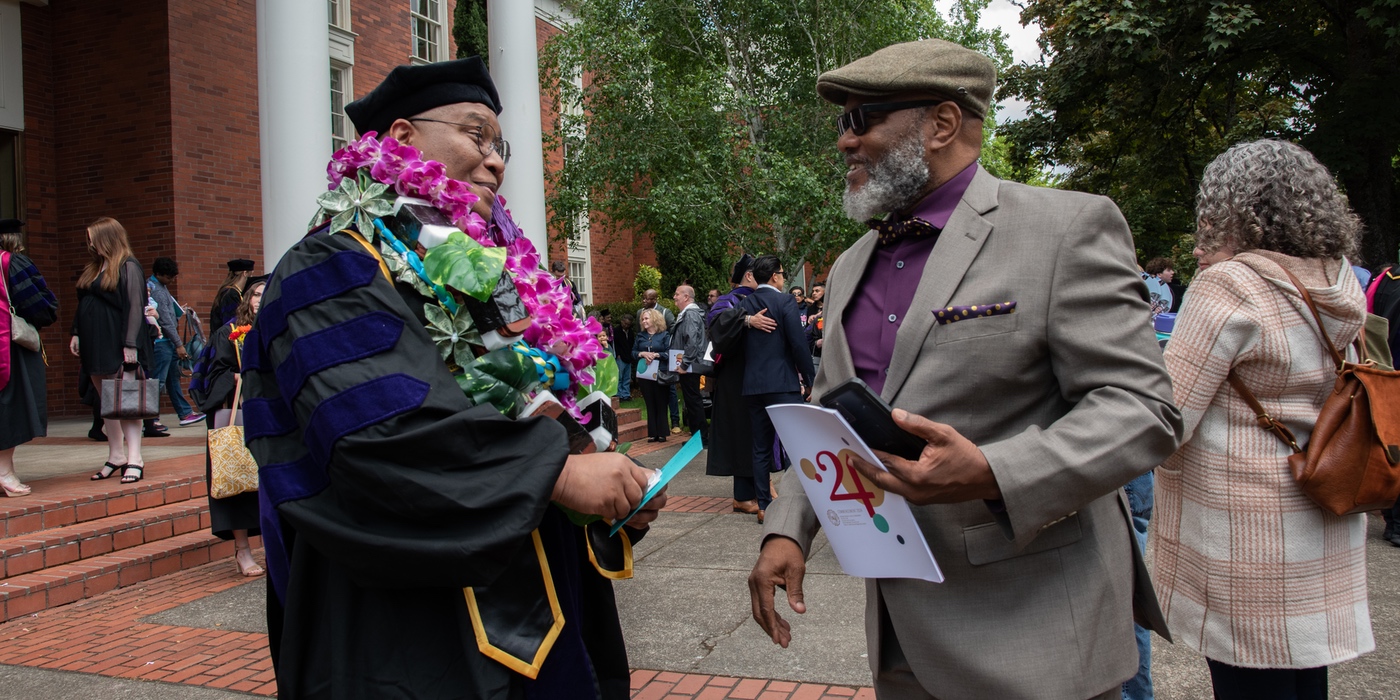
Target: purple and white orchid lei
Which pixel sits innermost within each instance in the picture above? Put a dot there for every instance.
(555, 329)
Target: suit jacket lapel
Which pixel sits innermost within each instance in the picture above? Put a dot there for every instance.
(838, 296)
(957, 247)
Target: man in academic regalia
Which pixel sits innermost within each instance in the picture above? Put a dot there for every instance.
(731, 436)
(412, 545)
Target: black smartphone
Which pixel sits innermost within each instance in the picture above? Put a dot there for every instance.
(869, 416)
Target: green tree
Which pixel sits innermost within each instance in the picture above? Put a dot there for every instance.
(1136, 98)
(469, 29)
(697, 121)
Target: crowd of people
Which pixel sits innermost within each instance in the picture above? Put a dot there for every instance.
(1060, 438)
(125, 324)
(699, 355)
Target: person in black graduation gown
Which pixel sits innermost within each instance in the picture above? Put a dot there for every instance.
(385, 493)
(234, 517)
(110, 336)
(23, 399)
(731, 436)
(230, 293)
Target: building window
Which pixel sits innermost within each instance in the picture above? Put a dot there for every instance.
(340, 88)
(338, 13)
(578, 277)
(580, 274)
(427, 19)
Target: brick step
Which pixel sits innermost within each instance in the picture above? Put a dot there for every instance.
(632, 432)
(60, 585)
(53, 547)
(629, 415)
(65, 500)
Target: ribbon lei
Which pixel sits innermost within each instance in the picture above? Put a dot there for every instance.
(551, 370)
(416, 264)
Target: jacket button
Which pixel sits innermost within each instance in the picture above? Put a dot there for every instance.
(892, 318)
(899, 265)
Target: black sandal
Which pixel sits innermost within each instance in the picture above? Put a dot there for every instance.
(109, 468)
(129, 479)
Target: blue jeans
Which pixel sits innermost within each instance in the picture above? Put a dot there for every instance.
(168, 372)
(675, 407)
(1139, 491)
(624, 379)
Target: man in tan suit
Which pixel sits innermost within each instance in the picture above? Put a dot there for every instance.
(1009, 328)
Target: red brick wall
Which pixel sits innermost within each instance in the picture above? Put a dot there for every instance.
(41, 175)
(214, 138)
(97, 143)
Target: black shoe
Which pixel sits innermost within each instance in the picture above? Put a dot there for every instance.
(1394, 539)
(97, 435)
(155, 433)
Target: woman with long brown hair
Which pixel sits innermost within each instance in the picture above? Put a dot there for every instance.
(110, 334)
(230, 294)
(235, 517)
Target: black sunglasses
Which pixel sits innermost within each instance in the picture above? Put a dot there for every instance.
(854, 120)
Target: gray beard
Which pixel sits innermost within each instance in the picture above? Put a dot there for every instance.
(893, 183)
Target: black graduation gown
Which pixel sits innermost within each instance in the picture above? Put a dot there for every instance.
(225, 308)
(24, 400)
(108, 321)
(731, 434)
(384, 494)
(238, 512)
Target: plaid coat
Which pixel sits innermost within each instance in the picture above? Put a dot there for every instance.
(1248, 570)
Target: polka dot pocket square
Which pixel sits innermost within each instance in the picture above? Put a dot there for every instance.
(950, 314)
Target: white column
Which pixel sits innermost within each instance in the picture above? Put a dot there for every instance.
(294, 105)
(515, 69)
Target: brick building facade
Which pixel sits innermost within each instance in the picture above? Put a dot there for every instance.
(147, 111)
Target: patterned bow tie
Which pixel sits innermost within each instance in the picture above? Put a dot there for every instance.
(892, 231)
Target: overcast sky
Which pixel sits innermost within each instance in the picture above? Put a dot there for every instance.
(1006, 16)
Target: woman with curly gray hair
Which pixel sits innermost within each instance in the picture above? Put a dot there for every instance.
(1250, 572)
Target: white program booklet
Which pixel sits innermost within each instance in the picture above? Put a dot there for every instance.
(872, 531)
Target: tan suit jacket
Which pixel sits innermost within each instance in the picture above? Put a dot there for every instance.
(1068, 399)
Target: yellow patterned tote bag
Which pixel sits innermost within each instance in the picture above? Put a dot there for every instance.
(232, 468)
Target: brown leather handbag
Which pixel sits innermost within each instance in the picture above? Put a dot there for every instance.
(1352, 461)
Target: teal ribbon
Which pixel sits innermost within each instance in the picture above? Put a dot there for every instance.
(416, 264)
(673, 467)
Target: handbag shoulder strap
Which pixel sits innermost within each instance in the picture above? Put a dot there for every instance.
(1266, 421)
(1321, 329)
(237, 396)
(5, 279)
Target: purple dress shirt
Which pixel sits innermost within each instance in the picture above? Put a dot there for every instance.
(886, 290)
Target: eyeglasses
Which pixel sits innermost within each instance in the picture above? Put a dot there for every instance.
(854, 120)
(486, 146)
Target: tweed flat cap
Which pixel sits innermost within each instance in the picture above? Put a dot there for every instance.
(932, 65)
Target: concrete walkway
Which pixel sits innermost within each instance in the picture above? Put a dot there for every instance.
(686, 616)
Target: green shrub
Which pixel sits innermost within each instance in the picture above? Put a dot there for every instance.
(648, 277)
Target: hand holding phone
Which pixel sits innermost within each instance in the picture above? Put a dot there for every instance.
(869, 416)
